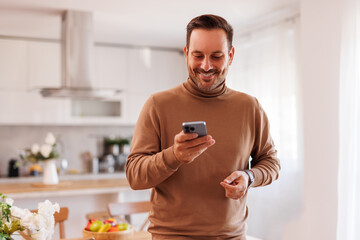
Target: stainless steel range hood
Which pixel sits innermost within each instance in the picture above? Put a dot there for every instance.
(77, 60)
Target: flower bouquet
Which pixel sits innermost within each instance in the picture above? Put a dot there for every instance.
(41, 153)
(46, 153)
(17, 221)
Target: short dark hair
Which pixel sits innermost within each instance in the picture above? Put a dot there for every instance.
(209, 21)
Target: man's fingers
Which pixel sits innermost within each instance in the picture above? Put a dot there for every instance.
(188, 146)
(235, 185)
(193, 152)
(182, 137)
(233, 188)
(205, 140)
(233, 191)
(232, 177)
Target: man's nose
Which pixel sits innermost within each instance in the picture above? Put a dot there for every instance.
(206, 64)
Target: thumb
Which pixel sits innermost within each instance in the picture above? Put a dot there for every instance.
(232, 177)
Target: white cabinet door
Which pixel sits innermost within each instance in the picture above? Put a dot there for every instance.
(151, 71)
(23, 108)
(25, 65)
(111, 67)
(44, 64)
(13, 64)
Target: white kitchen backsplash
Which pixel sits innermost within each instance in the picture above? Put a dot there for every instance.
(73, 140)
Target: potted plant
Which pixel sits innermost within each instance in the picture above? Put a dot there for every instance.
(110, 143)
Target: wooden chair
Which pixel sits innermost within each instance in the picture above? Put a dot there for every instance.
(120, 209)
(60, 218)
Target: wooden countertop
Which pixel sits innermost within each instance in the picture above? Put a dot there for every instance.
(64, 188)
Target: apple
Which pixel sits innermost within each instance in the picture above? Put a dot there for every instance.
(123, 226)
(96, 225)
(90, 221)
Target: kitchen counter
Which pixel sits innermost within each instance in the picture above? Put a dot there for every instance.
(69, 185)
(80, 176)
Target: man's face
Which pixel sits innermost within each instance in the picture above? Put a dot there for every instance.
(208, 57)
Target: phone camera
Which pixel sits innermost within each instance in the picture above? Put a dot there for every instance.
(187, 128)
(192, 128)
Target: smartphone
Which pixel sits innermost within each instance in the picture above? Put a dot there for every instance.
(198, 127)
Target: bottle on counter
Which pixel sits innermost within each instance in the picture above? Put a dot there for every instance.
(95, 165)
(13, 168)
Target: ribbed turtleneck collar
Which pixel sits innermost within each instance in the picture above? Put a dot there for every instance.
(191, 86)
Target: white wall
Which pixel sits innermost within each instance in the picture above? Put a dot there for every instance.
(319, 59)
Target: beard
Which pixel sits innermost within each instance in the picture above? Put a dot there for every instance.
(207, 85)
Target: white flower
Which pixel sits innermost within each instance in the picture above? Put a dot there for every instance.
(23, 214)
(9, 201)
(47, 208)
(35, 149)
(50, 139)
(45, 150)
(41, 224)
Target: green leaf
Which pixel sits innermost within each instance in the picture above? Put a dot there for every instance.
(5, 236)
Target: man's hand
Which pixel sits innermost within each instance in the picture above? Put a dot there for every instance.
(235, 185)
(187, 146)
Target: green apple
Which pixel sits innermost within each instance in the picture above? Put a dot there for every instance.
(123, 226)
(96, 225)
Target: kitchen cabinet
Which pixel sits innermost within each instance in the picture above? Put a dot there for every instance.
(13, 65)
(23, 108)
(44, 64)
(152, 71)
(111, 66)
(27, 66)
(20, 62)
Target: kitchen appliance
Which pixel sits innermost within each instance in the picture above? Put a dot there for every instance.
(107, 163)
(113, 157)
(77, 60)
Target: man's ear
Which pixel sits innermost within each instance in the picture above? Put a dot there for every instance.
(231, 55)
(186, 52)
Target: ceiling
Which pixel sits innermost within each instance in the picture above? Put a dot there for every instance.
(135, 22)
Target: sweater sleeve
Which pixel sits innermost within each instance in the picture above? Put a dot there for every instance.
(147, 164)
(265, 165)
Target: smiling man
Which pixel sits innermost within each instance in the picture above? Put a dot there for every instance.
(208, 57)
(199, 186)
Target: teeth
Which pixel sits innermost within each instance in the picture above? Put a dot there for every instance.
(207, 75)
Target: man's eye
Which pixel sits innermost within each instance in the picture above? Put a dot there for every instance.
(216, 56)
(198, 56)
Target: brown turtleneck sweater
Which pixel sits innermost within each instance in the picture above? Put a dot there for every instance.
(188, 201)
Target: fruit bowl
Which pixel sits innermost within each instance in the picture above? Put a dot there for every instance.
(121, 235)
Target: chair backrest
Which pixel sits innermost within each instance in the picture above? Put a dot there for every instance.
(60, 218)
(127, 208)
